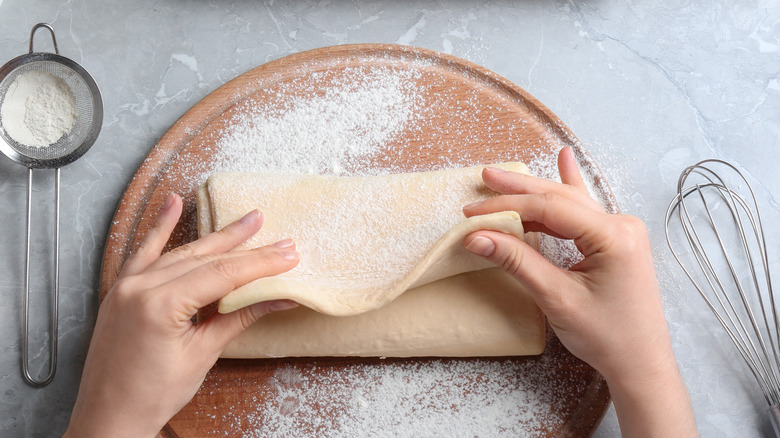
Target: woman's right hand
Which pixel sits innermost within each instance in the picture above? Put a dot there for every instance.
(606, 309)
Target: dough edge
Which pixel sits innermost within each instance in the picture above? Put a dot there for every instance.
(522, 333)
(277, 288)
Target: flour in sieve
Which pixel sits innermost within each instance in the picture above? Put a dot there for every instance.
(38, 109)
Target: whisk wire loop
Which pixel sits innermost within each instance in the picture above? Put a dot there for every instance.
(732, 270)
(734, 327)
(731, 277)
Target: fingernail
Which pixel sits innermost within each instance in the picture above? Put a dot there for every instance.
(290, 255)
(481, 246)
(250, 217)
(473, 205)
(277, 306)
(286, 243)
(494, 170)
(168, 201)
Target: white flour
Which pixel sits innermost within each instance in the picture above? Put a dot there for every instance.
(39, 108)
(325, 133)
(450, 398)
(332, 128)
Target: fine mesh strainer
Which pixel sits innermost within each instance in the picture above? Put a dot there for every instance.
(88, 121)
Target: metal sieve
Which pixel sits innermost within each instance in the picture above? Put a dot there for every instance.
(71, 146)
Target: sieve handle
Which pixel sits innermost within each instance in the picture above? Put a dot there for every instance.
(55, 305)
(51, 30)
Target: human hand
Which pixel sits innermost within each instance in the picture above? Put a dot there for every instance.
(606, 309)
(147, 359)
(606, 304)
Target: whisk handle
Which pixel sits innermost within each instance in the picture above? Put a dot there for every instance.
(774, 415)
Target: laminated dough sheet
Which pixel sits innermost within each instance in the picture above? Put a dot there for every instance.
(383, 271)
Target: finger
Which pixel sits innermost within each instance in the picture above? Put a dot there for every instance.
(493, 205)
(215, 279)
(156, 277)
(504, 181)
(155, 239)
(557, 215)
(220, 329)
(545, 281)
(534, 227)
(569, 170)
(506, 203)
(571, 177)
(217, 242)
(510, 183)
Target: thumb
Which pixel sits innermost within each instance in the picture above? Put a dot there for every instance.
(222, 328)
(535, 273)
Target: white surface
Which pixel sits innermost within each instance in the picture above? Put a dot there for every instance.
(649, 87)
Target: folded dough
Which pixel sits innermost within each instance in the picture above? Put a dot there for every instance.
(383, 263)
(481, 313)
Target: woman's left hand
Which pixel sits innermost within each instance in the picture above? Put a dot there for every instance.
(147, 358)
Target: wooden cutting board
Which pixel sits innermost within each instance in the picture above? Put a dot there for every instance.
(468, 115)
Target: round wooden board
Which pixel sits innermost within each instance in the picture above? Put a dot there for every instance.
(466, 116)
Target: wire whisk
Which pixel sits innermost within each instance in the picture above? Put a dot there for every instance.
(723, 253)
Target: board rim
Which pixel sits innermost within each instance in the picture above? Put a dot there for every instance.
(190, 124)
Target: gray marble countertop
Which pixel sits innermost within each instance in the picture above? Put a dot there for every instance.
(649, 87)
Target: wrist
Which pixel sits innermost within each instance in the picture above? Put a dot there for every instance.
(647, 371)
(652, 401)
(646, 387)
(92, 424)
(92, 431)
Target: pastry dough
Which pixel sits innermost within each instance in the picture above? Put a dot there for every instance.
(382, 261)
(482, 313)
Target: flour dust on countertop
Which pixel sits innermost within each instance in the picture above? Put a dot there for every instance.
(322, 133)
(458, 398)
(335, 129)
